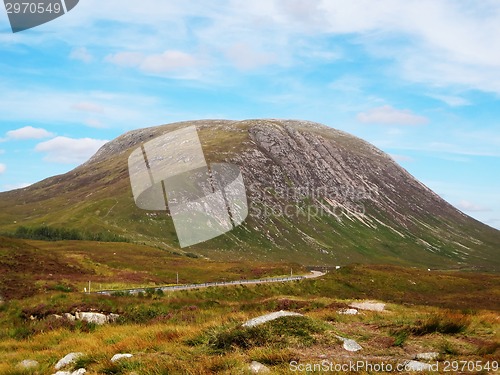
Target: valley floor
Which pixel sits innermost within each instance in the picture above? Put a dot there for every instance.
(200, 331)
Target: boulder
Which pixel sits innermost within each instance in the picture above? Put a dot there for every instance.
(118, 357)
(69, 316)
(417, 366)
(348, 312)
(258, 368)
(80, 371)
(349, 344)
(28, 363)
(368, 305)
(268, 317)
(92, 317)
(112, 317)
(430, 356)
(67, 360)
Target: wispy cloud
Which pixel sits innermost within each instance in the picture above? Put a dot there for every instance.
(81, 54)
(173, 63)
(471, 207)
(3, 168)
(391, 116)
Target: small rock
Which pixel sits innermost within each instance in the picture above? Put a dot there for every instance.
(117, 357)
(80, 371)
(348, 312)
(69, 316)
(112, 317)
(258, 368)
(91, 317)
(417, 366)
(349, 344)
(28, 363)
(368, 305)
(67, 360)
(268, 317)
(55, 316)
(430, 356)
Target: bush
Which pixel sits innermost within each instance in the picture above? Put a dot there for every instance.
(448, 324)
(282, 332)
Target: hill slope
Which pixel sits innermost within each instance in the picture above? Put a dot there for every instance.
(316, 196)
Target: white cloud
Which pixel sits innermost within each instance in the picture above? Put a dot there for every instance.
(3, 168)
(171, 62)
(401, 158)
(69, 150)
(391, 116)
(94, 123)
(28, 132)
(81, 54)
(471, 207)
(167, 61)
(88, 107)
(125, 59)
(451, 100)
(21, 185)
(245, 57)
(2, 152)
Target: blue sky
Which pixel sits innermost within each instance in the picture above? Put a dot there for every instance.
(419, 79)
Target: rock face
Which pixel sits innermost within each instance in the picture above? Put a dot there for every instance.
(316, 195)
(268, 317)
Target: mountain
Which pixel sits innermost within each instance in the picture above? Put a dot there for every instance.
(316, 195)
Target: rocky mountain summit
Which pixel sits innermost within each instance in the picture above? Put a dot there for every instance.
(316, 195)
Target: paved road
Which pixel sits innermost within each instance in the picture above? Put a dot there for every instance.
(171, 288)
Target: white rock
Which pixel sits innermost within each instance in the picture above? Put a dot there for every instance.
(348, 312)
(417, 366)
(258, 368)
(112, 317)
(67, 360)
(430, 356)
(80, 371)
(117, 357)
(368, 305)
(268, 317)
(69, 316)
(349, 344)
(28, 363)
(55, 316)
(92, 317)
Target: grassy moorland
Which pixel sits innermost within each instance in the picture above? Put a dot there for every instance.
(199, 331)
(28, 267)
